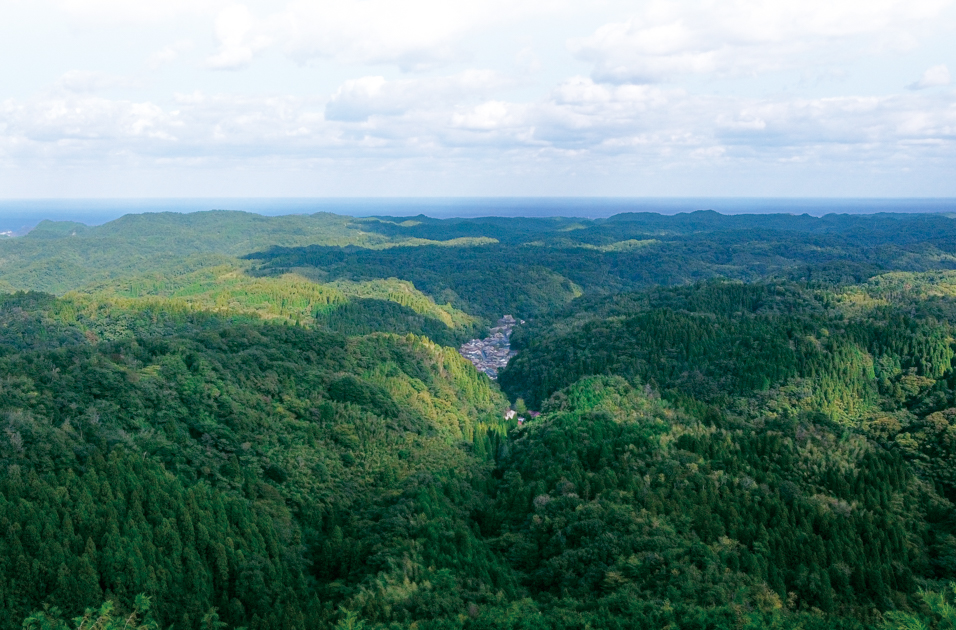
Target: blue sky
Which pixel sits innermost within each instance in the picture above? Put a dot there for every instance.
(185, 98)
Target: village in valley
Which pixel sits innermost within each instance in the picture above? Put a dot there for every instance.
(493, 352)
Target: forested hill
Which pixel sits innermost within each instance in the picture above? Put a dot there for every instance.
(625, 251)
(223, 420)
(269, 472)
(272, 476)
(723, 342)
(538, 265)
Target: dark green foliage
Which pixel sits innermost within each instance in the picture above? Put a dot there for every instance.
(28, 321)
(243, 446)
(246, 469)
(60, 256)
(361, 316)
(121, 525)
(721, 343)
(938, 612)
(486, 280)
(616, 498)
(106, 618)
(540, 264)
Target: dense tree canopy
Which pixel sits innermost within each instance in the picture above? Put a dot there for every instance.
(746, 422)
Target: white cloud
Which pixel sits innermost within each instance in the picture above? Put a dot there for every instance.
(933, 77)
(665, 40)
(582, 91)
(495, 83)
(413, 34)
(490, 116)
(238, 39)
(581, 125)
(358, 99)
(168, 54)
(433, 118)
(136, 11)
(65, 127)
(81, 81)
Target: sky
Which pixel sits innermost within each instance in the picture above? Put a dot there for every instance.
(368, 98)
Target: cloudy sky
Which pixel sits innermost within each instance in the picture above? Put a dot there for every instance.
(155, 98)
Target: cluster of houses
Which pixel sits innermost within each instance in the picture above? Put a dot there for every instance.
(511, 413)
(493, 352)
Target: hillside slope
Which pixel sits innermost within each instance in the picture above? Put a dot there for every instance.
(266, 471)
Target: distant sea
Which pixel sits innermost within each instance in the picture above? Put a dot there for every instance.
(20, 216)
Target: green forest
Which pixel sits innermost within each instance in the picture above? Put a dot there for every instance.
(223, 420)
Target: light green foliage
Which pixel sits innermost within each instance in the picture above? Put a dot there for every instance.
(404, 293)
(60, 256)
(104, 618)
(57, 257)
(258, 422)
(756, 348)
(538, 265)
(228, 289)
(243, 468)
(349, 621)
(939, 605)
(613, 499)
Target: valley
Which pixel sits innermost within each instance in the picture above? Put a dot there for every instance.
(222, 420)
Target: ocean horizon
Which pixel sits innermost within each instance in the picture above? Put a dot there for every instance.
(19, 216)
